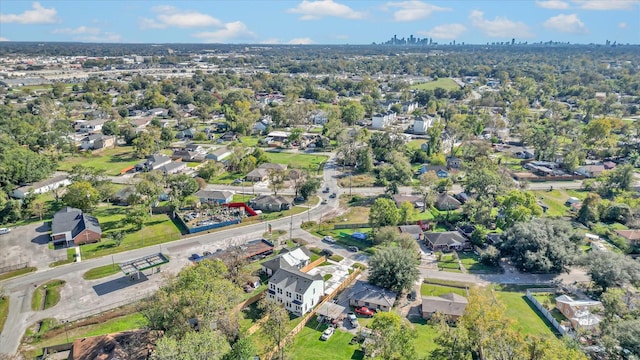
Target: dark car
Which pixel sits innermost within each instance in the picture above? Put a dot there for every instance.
(327, 252)
(299, 199)
(237, 181)
(195, 257)
(332, 196)
(326, 190)
(353, 248)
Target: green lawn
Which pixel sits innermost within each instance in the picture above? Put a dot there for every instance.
(308, 346)
(444, 83)
(157, 229)
(472, 263)
(112, 161)
(437, 290)
(242, 197)
(15, 273)
(297, 161)
(100, 272)
(51, 293)
(4, 310)
(425, 335)
(249, 140)
(344, 237)
(518, 308)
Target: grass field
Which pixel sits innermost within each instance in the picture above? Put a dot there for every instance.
(518, 308)
(100, 272)
(308, 346)
(443, 83)
(157, 229)
(437, 290)
(358, 180)
(51, 293)
(297, 161)
(112, 161)
(472, 263)
(425, 335)
(15, 273)
(4, 310)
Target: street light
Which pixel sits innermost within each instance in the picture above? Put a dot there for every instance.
(65, 329)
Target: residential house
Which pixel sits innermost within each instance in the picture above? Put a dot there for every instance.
(160, 112)
(173, 167)
(590, 171)
(297, 291)
(421, 124)
(186, 134)
(451, 305)
(257, 175)
(229, 136)
(70, 226)
(374, 297)
(454, 162)
(445, 241)
(56, 181)
(153, 162)
(97, 141)
(415, 200)
(297, 259)
(219, 154)
(439, 170)
(185, 155)
(414, 230)
(270, 203)
(631, 236)
(90, 126)
(272, 166)
(214, 196)
(319, 117)
(195, 148)
(579, 311)
(609, 165)
(263, 124)
(140, 123)
(446, 202)
(383, 120)
(409, 107)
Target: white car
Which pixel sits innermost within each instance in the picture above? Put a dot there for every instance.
(4, 231)
(327, 333)
(329, 239)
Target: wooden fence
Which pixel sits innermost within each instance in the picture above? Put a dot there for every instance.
(305, 320)
(313, 264)
(249, 301)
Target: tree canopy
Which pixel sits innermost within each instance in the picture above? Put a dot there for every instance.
(393, 268)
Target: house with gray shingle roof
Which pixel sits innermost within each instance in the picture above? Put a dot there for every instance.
(374, 297)
(70, 226)
(451, 305)
(447, 240)
(297, 291)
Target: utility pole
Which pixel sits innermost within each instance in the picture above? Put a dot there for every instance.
(291, 228)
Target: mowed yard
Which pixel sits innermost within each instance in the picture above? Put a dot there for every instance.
(443, 83)
(112, 161)
(297, 161)
(308, 346)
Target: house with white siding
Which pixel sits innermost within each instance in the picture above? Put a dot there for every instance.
(297, 291)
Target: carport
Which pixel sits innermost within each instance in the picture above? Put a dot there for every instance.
(141, 264)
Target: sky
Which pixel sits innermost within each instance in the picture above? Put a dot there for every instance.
(320, 21)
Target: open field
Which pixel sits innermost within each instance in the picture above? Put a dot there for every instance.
(297, 161)
(518, 308)
(112, 161)
(443, 83)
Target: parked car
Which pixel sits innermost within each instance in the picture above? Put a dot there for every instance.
(353, 248)
(4, 231)
(332, 196)
(299, 199)
(326, 190)
(353, 319)
(195, 257)
(327, 333)
(363, 310)
(206, 253)
(329, 239)
(237, 181)
(324, 202)
(327, 252)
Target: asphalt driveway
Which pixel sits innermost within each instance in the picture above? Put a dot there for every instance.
(28, 243)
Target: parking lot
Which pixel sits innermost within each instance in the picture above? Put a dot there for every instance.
(28, 244)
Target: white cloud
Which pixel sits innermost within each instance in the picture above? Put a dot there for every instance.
(231, 31)
(499, 27)
(37, 15)
(4, 39)
(566, 23)
(623, 25)
(169, 16)
(413, 10)
(553, 4)
(101, 37)
(606, 4)
(300, 41)
(78, 30)
(445, 31)
(314, 10)
(270, 41)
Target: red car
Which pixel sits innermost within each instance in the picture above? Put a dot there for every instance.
(364, 311)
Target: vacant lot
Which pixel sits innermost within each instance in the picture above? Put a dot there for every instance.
(297, 161)
(112, 161)
(443, 83)
(556, 200)
(471, 263)
(518, 308)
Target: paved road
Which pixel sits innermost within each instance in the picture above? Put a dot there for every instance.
(81, 298)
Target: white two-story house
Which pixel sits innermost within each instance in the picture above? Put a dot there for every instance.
(297, 291)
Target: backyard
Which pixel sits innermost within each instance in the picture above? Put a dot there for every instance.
(528, 320)
(112, 161)
(308, 346)
(556, 200)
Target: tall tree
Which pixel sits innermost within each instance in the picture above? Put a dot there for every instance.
(276, 180)
(275, 325)
(383, 213)
(393, 337)
(81, 195)
(393, 268)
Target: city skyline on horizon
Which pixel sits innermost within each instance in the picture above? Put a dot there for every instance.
(322, 22)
